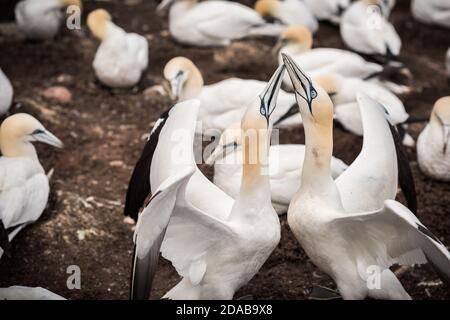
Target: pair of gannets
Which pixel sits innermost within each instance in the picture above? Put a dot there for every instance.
(121, 57)
(222, 103)
(6, 93)
(330, 10)
(28, 293)
(215, 23)
(24, 186)
(348, 227)
(41, 19)
(432, 11)
(288, 12)
(364, 28)
(216, 244)
(285, 167)
(433, 145)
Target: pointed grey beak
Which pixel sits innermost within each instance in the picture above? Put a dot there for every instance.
(47, 137)
(270, 94)
(300, 80)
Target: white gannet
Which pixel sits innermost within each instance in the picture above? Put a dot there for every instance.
(121, 57)
(354, 248)
(285, 167)
(27, 293)
(216, 244)
(215, 23)
(330, 10)
(41, 19)
(432, 11)
(433, 145)
(365, 28)
(24, 186)
(288, 12)
(223, 103)
(6, 93)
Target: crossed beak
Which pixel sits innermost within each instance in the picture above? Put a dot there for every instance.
(269, 95)
(47, 137)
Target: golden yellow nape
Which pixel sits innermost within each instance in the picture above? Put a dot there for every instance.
(442, 109)
(97, 22)
(266, 7)
(298, 34)
(176, 64)
(13, 130)
(67, 3)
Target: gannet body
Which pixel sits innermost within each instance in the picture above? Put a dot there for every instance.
(364, 28)
(432, 11)
(41, 19)
(433, 145)
(216, 249)
(285, 166)
(121, 57)
(288, 12)
(330, 10)
(24, 186)
(355, 248)
(27, 293)
(6, 93)
(215, 23)
(222, 103)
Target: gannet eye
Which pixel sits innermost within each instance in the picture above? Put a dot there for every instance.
(263, 111)
(313, 93)
(38, 131)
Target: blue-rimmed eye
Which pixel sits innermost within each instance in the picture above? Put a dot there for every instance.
(263, 111)
(313, 93)
(38, 131)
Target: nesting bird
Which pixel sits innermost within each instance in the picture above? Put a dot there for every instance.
(354, 245)
(216, 244)
(288, 12)
(365, 28)
(215, 23)
(432, 11)
(330, 10)
(41, 19)
(433, 145)
(285, 167)
(121, 57)
(6, 93)
(222, 103)
(24, 186)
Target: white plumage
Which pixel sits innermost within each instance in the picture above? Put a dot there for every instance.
(330, 10)
(6, 93)
(432, 11)
(27, 293)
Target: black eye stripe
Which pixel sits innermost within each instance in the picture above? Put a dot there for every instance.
(38, 131)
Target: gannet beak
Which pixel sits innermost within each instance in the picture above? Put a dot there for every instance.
(176, 85)
(270, 94)
(47, 137)
(446, 138)
(164, 4)
(300, 80)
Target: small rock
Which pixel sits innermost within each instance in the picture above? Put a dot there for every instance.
(81, 234)
(59, 94)
(116, 163)
(129, 220)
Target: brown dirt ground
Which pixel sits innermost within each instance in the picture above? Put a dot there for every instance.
(102, 131)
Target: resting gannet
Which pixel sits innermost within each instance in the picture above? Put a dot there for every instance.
(41, 19)
(216, 244)
(285, 167)
(215, 23)
(288, 12)
(24, 186)
(354, 247)
(433, 145)
(330, 10)
(6, 93)
(121, 57)
(223, 103)
(27, 293)
(432, 11)
(364, 28)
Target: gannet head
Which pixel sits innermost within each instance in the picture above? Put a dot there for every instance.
(331, 83)
(441, 116)
(267, 8)
(185, 79)
(98, 21)
(67, 3)
(229, 141)
(384, 5)
(18, 131)
(297, 36)
(313, 101)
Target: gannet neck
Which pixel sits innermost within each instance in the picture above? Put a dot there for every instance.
(267, 7)
(99, 22)
(193, 85)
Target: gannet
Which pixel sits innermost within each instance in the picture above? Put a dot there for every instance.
(288, 12)
(121, 57)
(432, 11)
(433, 145)
(285, 166)
(330, 10)
(216, 244)
(223, 103)
(355, 248)
(6, 93)
(364, 28)
(41, 19)
(24, 186)
(27, 293)
(215, 23)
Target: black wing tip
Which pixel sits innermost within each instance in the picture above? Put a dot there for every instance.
(5, 244)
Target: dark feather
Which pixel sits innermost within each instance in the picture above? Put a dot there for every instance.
(4, 240)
